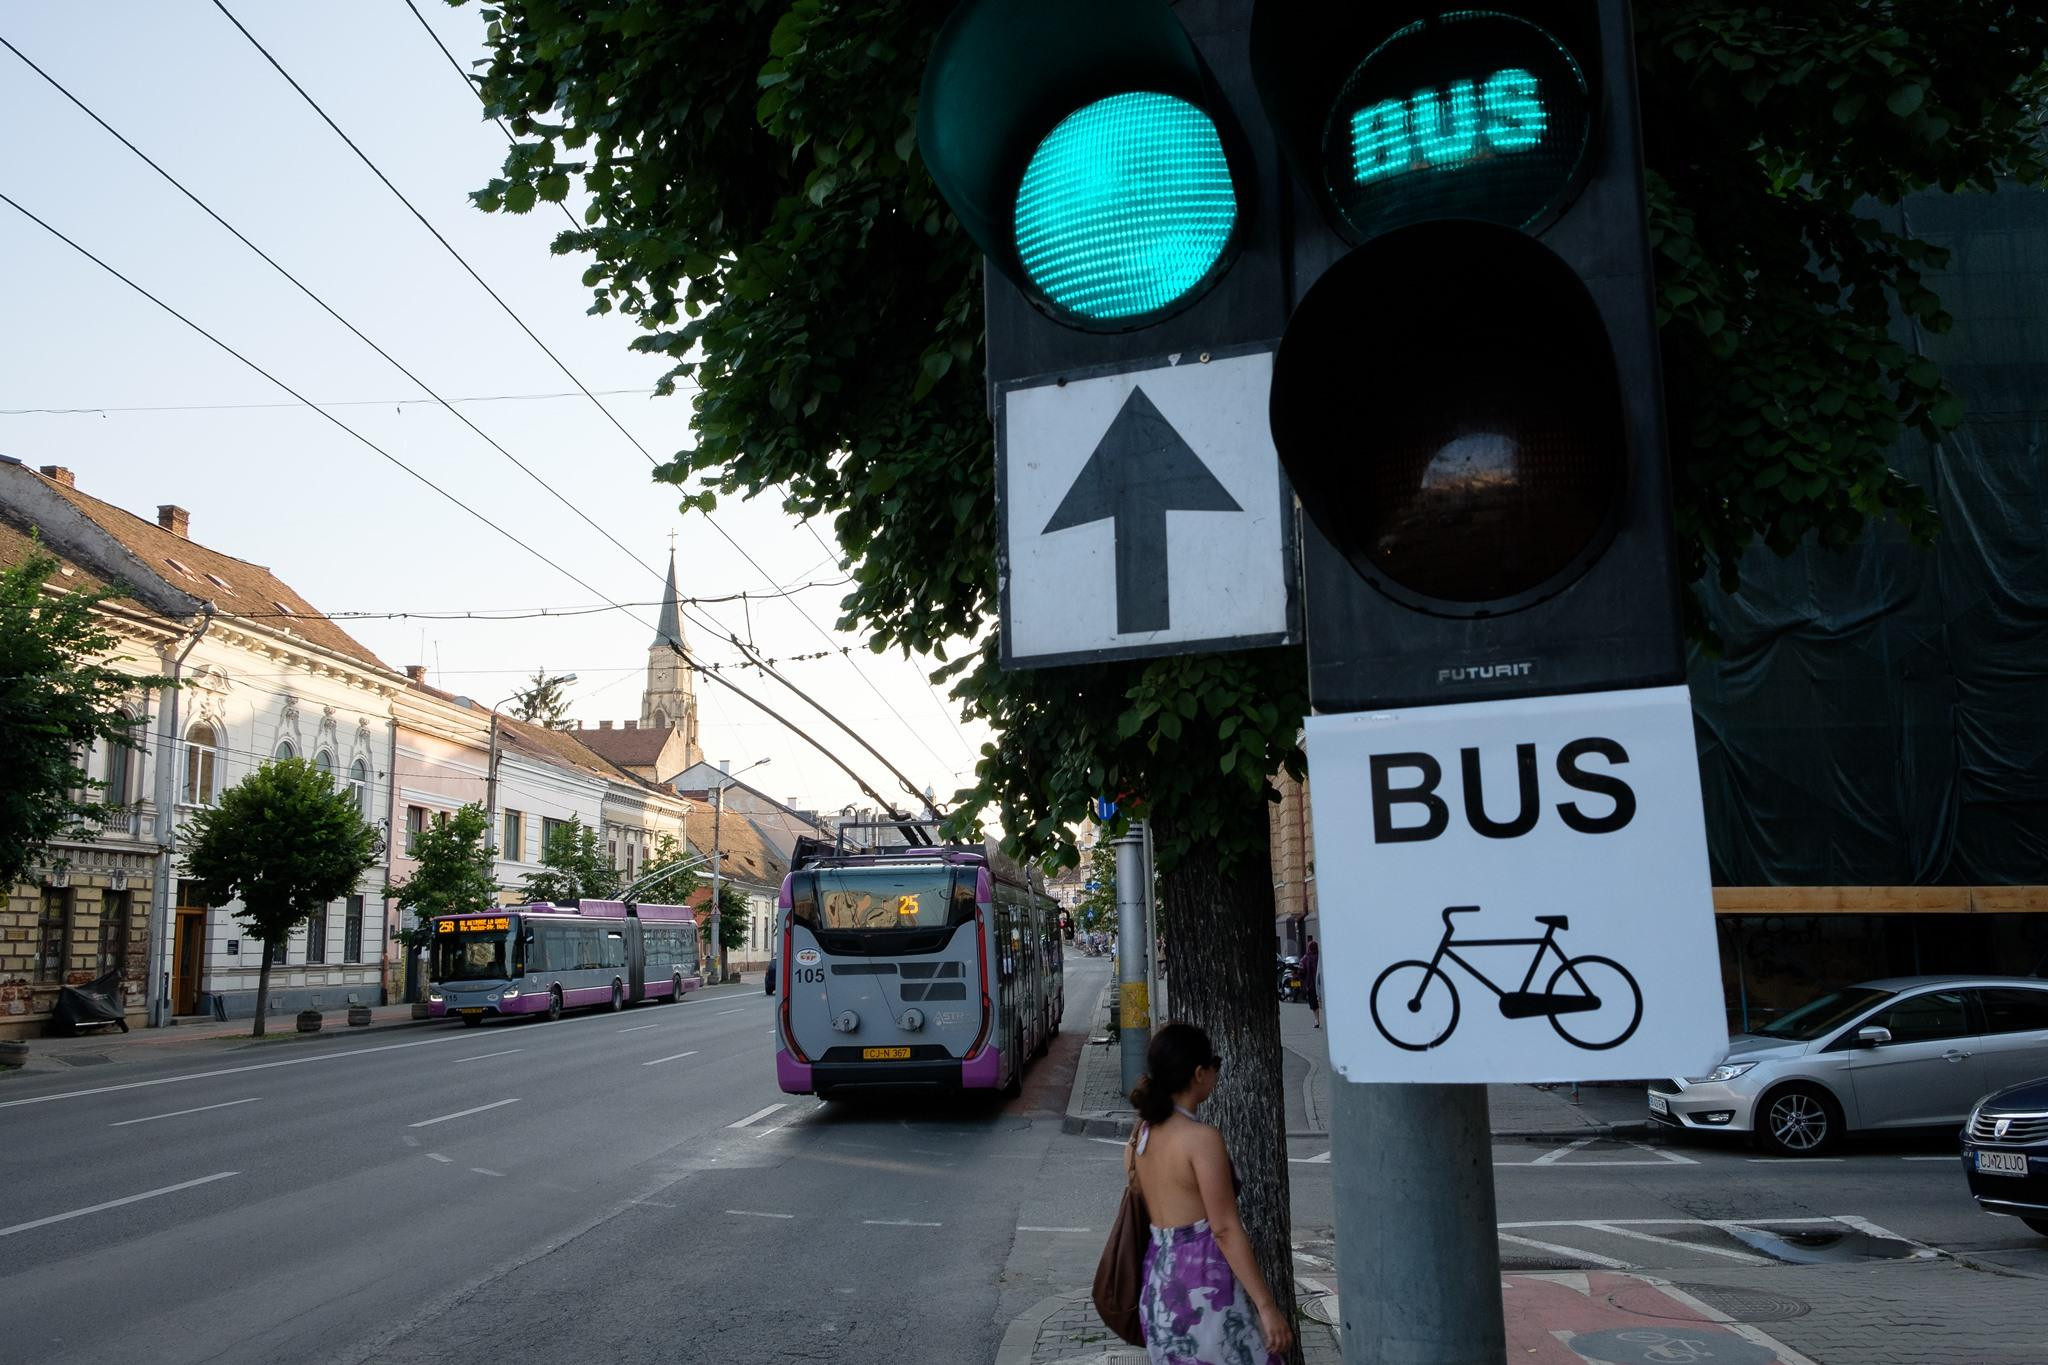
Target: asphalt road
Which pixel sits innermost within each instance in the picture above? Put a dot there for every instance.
(631, 1185)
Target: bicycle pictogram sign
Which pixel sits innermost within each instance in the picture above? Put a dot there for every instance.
(1593, 1002)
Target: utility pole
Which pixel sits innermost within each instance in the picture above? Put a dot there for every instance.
(1152, 953)
(1134, 1009)
(717, 932)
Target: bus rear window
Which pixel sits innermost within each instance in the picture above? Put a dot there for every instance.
(885, 898)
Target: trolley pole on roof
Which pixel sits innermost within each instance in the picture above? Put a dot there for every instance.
(1133, 950)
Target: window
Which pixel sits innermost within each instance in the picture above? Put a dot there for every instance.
(285, 750)
(114, 913)
(316, 936)
(352, 931)
(415, 826)
(324, 761)
(548, 827)
(199, 761)
(2014, 1009)
(119, 764)
(612, 852)
(514, 842)
(53, 935)
(629, 862)
(359, 783)
(1928, 1018)
(281, 954)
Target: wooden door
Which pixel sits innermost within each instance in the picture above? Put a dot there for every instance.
(191, 954)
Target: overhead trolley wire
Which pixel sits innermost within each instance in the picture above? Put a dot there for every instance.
(741, 549)
(688, 662)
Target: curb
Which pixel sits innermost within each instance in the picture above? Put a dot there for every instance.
(1020, 1339)
(1092, 1123)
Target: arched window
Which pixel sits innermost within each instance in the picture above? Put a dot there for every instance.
(285, 750)
(118, 772)
(324, 761)
(359, 783)
(200, 756)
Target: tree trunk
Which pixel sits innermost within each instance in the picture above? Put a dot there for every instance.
(263, 990)
(1219, 957)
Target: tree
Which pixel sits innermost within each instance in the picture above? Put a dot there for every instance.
(545, 702)
(732, 919)
(576, 868)
(1097, 908)
(56, 700)
(454, 874)
(783, 245)
(284, 841)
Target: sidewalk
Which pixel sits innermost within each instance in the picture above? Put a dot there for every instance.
(1097, 1107)
(104, 1047)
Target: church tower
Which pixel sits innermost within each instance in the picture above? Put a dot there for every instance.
(670, 699)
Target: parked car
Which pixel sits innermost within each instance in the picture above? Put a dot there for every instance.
(1902, 1053)
(2005, 1152)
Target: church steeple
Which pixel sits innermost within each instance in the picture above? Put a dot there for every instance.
(670, 699)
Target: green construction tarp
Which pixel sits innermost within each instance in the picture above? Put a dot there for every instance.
(1879, 717)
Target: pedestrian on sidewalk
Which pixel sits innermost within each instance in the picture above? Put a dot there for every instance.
(1312, 980)
(1204, 1301)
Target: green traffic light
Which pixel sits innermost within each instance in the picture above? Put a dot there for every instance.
(1126, 207)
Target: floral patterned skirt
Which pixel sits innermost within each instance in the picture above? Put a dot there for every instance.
(1194, 1310)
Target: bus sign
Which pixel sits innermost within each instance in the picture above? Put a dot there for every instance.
(480, 924)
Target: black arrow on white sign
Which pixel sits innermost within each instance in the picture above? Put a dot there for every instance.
(1140, 470)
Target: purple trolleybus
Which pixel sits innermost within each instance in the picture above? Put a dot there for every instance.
(934, 966)
(543, 959)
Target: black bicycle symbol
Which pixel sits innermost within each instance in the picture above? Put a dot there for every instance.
(1601, 984)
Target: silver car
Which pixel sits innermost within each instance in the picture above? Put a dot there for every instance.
(1905, 1052)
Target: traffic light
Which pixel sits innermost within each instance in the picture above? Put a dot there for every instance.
(1467, 398)
(1107, 158)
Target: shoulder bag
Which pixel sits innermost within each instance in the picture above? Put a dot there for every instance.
(1120, 1274)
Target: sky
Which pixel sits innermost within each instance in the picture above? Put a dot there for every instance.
(169, 417)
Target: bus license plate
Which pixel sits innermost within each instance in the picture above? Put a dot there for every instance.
(473, 1009)
(885, 1054)
(2002, 1163)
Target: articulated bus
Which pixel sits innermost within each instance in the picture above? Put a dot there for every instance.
(935, 966)
(543, 959)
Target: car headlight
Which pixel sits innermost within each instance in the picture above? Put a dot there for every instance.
(1727, 1071)
(510, 995)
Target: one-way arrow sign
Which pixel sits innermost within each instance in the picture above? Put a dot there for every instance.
(1143, 512)
(1140, 471)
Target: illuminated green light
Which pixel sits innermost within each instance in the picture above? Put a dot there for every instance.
(1126, 206)
(1443, 129)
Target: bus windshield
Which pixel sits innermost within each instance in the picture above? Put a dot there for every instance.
(890, 898)
(470, 956)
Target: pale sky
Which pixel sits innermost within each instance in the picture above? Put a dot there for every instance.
(283, 487)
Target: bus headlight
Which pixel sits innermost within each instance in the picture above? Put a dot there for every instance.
(434, 997)
(512, 994)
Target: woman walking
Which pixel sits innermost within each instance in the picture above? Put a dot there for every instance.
(1204, 1301)
(1312, 980)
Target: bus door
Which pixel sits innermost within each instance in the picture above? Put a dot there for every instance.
(636, 961)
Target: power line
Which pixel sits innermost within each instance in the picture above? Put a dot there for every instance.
(473, 88)
(533, 613)
(393, 459)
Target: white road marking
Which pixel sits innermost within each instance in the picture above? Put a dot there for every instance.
(756, 1213)
(1743, 1256)
(1924, 1158)
(897, 1223)
(481, 1171)
(1795, 1163)
(1022, 1228)
(758, 1115)
(1322, 1160)
(116, 1203)
(221, 1071)
(436, 1156)
(677, 1058)
(1114, 1142)
(1552, 1158)
(1554, 1249)
(179, 1113)
(734, 1010)
(1863, 1225)
(639, 1028)
(483, 1055)
(463, 1113)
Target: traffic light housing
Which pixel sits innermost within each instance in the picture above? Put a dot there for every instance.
(1468, 399)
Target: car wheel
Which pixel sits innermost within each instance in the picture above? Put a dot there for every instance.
(554, 1004)
(1799, 1120)
(2039, 1225)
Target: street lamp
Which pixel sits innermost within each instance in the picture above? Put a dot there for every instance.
(717, 819)
(491, 780)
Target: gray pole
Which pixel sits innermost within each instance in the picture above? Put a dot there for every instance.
(717, 971)
(1134, 1011)
(1152, 953)
(1419, 1273)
